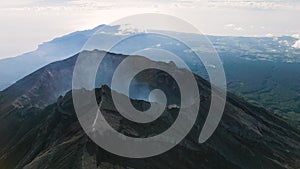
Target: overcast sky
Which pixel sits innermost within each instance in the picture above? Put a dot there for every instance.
(27, 23)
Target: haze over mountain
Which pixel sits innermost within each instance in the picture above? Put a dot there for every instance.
(35, 135)
(256, 68)
(13, 69)
(271, 49)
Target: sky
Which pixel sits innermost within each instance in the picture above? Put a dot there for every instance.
(27, 23)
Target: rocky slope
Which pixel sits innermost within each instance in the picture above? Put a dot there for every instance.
(248, 137)
(45, 85)
(257, 68)
(50, 137)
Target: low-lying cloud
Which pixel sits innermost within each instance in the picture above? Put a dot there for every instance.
(297, 44)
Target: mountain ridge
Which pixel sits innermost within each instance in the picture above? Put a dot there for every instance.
(51, 137)
(257, 69)
(58, 123)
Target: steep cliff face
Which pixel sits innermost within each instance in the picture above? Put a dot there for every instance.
(248, 137)
(34, 135)
(41, 87)
(45, 85)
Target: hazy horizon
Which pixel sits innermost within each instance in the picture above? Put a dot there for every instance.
(28, 23)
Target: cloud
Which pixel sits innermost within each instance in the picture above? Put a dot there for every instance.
(229, 25)
(238, 28)
(256, 5)
(269, 35)
(245, 4)
(284, 42)
(234, 27)
(296, 36)
(297, 44)
(127, 29)
(14, 3)
(43, 20)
